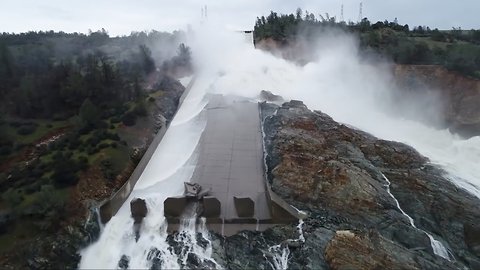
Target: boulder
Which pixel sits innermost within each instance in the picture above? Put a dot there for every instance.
(124, 262)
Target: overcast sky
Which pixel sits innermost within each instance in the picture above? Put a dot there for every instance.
(120, 17)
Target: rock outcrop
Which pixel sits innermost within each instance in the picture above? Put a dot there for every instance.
(360, 192)
(350, 182)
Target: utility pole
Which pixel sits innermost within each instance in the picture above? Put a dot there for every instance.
(206, 15)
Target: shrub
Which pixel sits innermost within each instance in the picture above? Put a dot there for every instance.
(12, 197)
(64, 177)
(115, 119)
(129, 119)
(107, 169)
(113, 136)
(65, 169)
(92, 150)
(140, 109)
(34, 187)
(26, 129)
(103, 145)
(5, 150)
(93, 141)
(60, 117)
(83, 163)
(49, 206)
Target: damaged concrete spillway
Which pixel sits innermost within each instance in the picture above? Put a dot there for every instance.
(230, 172)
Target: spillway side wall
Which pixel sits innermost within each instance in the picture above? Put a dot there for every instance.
(110, 206)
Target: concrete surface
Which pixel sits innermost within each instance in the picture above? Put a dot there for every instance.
(231, 155)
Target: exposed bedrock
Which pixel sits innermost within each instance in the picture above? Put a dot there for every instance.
(337, 174)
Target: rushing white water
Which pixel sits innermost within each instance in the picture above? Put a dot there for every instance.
(337, 82)
(341, 84)
(279, 258)
(187, 238)
(437, 246)
(280, 254)
(172, 164)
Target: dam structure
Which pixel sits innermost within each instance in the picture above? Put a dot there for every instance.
(213, 147)
(231, 172)
(226, 164)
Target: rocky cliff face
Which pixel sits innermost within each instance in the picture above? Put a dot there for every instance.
(460, 94)
(355, 188)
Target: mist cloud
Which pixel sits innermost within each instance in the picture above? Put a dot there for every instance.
(342, 83)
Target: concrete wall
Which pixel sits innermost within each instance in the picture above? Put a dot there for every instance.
(110, 207)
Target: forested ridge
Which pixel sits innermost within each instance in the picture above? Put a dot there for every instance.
(456, 49)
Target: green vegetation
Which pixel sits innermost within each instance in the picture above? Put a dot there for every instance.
(457, 50)
(66, 98)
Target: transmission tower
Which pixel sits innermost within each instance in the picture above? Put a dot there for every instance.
(360, 12)
(341, 15)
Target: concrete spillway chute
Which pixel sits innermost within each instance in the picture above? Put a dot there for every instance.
(230, 167)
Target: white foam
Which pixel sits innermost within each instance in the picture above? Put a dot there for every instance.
(437, 246)
(172, 164)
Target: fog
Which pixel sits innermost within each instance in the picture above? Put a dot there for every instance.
(342, 83)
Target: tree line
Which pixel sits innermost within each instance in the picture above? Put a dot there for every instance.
(456, 49)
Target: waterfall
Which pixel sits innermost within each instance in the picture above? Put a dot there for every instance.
(278, 255)
(172, 164)
(194, 240)
(438, 248)
(279, 258)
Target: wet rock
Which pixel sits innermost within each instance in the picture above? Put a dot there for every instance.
(155, 257)
(218, 251)
(38, 263)
(270, 97)
(336, 173)
(472, 237)
(124, 262)
(201, 241)
(349, 250)
(92, 226)
(193, 261)
(292, 243)
(208, 264)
